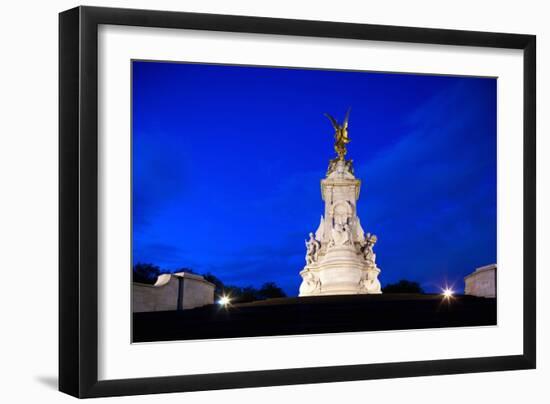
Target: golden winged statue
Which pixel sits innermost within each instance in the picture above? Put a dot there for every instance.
(340, 135)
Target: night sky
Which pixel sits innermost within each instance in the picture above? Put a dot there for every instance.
(227, 162)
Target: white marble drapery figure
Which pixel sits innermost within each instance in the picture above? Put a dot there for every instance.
(340, 235)
(312, 249)
(310, 284)
(367, 248)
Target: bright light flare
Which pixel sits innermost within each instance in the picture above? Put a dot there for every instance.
(448, 293)
(224, 301)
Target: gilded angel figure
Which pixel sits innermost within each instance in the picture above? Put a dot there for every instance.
(341, 136)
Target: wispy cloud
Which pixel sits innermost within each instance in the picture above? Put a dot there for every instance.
(431, 196)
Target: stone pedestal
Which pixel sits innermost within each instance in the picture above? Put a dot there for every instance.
(179, 291)
(482, 282)
(341, 271)
(340, 258)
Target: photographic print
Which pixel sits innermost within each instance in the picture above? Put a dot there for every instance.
(304, 201)
(284, 201)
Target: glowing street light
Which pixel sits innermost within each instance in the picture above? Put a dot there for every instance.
(224, 301)
(448, 293)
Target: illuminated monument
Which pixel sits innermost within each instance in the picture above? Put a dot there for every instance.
(340, 259)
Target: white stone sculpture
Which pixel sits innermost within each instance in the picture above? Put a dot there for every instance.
(340, 235)
(312, 249)
(369, 282)
(340, 257)
(367, 248)
(310, 285)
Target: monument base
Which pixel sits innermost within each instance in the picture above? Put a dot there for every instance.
(341, 271)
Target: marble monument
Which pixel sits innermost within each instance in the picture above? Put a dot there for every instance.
(340, 258)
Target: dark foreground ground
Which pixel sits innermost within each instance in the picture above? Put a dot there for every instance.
(313, 315)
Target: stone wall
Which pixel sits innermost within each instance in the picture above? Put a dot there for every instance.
(172, 292)
(482, 282)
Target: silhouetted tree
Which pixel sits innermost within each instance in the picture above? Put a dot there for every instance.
(247, 294)
(184, 269)
(145, 273)
(216, 281)
(270, 290)
(403, 286)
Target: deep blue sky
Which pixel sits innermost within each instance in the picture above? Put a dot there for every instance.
(227, 162)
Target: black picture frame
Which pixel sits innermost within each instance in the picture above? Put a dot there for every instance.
(78, 201)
